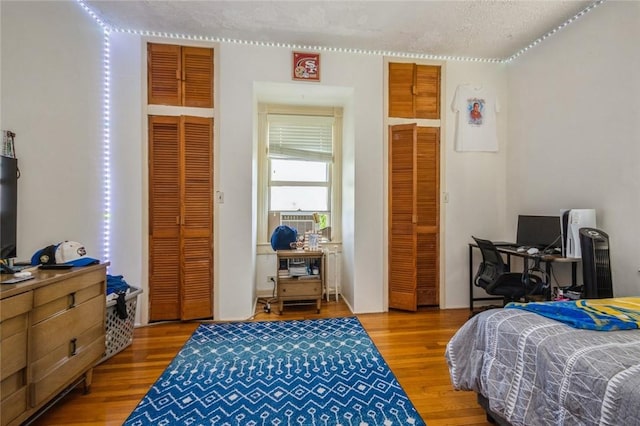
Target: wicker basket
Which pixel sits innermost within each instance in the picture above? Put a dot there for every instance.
(119, 332)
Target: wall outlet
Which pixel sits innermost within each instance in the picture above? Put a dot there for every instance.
(271, 279)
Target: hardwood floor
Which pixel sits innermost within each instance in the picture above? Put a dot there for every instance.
(412, 344)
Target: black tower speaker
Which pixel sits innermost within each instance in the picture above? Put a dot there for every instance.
(596, 264)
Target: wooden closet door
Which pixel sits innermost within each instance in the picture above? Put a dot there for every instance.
(414, 175)
(401, 90)
(427, 92)
(402, 218)
(197, 224)
(164, 218)
(164, 80)
(428, 215)
(179, 75)
(414, 91)
(180, 218)
(197, 77)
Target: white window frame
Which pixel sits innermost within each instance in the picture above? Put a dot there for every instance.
(334, 169)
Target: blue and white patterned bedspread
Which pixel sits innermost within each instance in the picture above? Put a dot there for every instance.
(537, 371)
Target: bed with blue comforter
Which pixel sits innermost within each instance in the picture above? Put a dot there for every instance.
(574, 363)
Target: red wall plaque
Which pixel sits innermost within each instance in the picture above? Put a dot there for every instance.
(306, 66)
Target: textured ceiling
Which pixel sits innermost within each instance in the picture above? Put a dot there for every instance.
(471, 28)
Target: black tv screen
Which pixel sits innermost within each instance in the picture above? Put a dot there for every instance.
(539, 231)
(8, 207)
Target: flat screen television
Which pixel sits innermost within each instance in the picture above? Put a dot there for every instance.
(542, 232)
(8, 207)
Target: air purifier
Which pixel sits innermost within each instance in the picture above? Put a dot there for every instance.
(596, 264)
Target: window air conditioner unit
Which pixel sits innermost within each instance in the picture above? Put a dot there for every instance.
(302, 222)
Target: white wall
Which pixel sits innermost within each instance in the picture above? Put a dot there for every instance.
(355, 81)
(52, 99)
(574, 130)
(129, 181)
(475, 182)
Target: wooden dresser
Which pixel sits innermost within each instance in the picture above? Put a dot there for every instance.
(52, 332)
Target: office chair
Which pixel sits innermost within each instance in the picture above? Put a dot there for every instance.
(596, 264)
(495, 278)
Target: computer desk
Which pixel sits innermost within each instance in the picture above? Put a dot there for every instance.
(547, 259)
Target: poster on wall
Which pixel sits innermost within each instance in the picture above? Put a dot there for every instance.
(476, 129)
(306, 66)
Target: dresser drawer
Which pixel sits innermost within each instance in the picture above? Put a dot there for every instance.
(13, 404)
(65, 301)
(58, 378)
(13, 334)
(16, 305)
(62, 328)
(13, 352)
(50, 293)
(66, 351)
(301, 288)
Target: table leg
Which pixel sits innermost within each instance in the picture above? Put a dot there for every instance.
(471, 278)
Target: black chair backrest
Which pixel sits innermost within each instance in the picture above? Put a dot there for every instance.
(492, 264)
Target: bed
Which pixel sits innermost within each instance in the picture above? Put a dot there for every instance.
(530, 370)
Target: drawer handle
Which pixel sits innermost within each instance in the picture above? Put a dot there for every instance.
(74, 347)
(72, 300)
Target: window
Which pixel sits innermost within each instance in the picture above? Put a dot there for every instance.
(299, 165)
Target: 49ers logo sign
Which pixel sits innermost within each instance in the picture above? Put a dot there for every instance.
(306, 66)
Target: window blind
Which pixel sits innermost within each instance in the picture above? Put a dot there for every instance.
(298, 137)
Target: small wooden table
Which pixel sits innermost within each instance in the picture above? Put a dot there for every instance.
(297, 280)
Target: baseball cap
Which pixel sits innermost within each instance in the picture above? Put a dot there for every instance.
(45, 256)
(73, 253)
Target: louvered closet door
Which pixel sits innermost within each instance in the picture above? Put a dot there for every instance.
(414, 91)
(401, 90)
(402, 220)
(164, 218)
(428, 215)
(180, 218)
(414, 174)
(197, 227)
(164, 85)
(427, 92)
(180, 75)
(197, 68)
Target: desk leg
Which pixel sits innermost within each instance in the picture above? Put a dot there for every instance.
(574, 273)
(547, 269)
(471, 278)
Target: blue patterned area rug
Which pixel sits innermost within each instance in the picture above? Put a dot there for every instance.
(311, 372)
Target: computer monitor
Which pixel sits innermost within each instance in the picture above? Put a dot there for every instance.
(8, 207)
(539, 231)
